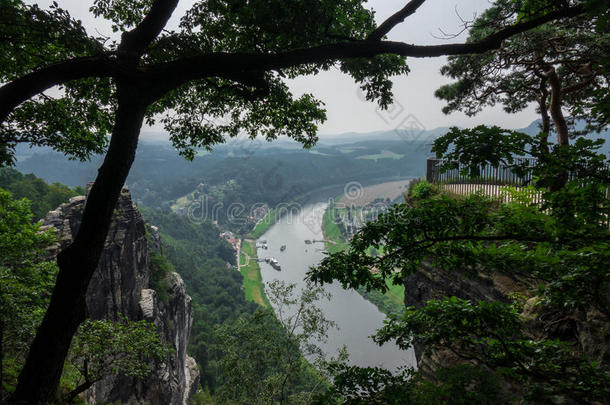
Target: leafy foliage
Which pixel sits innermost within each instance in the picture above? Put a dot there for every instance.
(196, 252)
(462, 384)
(491, 334)
(123, 14)
(26, 277)
(42, 196)
(516, 75)
(421, 189)
(261, 356)
(152, 73)
(561, 247)
(102, 347)
(33, 38)
(473, 150)
(161, 270)
(105, 348)
(203, 112)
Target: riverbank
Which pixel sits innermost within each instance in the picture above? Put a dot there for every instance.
(261, 227)
(357, 318)
(393, 299)
(254, 287)
(313, 196)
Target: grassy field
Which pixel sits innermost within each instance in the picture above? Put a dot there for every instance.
(332, 232)
(264, 224)
(253, 282)
(385, 154)
(390, 302)
(180, 203)
(389, 189)
(396, 293)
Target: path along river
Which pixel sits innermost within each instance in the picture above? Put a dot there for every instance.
(356, 317)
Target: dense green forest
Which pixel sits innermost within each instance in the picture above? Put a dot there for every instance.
(158, 164)
(205, 262)
(43, 197)
(235, 181)
(267, 175)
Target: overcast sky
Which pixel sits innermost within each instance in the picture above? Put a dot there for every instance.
(414, 94)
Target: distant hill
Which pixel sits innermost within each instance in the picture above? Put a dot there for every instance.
(159, 170)
(406, 134)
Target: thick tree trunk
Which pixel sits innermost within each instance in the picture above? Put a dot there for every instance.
(561, 126)
(559, 120)
(39, 379)
(544, 114)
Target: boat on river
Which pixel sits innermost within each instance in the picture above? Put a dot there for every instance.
(275, 264)
(282, 248)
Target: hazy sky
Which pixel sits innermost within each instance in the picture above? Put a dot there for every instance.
(414, 94)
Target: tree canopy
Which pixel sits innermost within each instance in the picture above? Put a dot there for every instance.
(558, 66)
(222, 72)
(42, 196)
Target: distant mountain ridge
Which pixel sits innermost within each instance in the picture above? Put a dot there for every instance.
(157, 138)
(158, 165)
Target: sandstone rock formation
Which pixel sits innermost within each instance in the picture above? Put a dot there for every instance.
(121, 287)
(430, 283)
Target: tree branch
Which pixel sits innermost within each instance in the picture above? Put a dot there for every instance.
(580, 85)
(151, 26)
(171, 74)
(394, 20)
(16, 92)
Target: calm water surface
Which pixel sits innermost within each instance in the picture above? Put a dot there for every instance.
(356, 317)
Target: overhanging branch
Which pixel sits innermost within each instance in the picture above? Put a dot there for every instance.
(16, 92)
(166, 76)
(172, 74)
(394, 20)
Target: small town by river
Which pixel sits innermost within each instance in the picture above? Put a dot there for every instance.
(356, 317)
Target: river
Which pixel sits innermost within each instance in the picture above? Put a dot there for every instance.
(356, 317)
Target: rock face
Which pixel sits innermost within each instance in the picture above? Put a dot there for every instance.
(120, 287)
(585, 330)
(429, 283)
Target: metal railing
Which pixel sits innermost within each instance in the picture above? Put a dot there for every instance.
(490, 180)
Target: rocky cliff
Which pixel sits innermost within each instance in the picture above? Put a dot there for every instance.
(121, 287)
(584, 329)
(429, 283)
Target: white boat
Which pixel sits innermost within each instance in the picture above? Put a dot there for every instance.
(275, 264)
